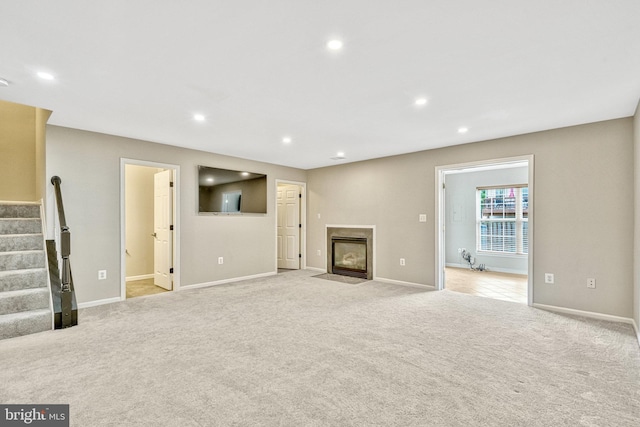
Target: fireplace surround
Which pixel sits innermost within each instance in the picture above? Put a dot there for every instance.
(350, 251)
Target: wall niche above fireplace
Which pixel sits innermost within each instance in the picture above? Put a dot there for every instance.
(350, 251)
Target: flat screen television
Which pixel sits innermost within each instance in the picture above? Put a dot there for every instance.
(231, 192)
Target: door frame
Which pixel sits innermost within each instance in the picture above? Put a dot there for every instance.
(440, 219)
(176, 221)
(303, 221)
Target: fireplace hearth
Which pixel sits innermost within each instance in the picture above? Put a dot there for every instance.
(350, 251)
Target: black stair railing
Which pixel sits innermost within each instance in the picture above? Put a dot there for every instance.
(68, 316)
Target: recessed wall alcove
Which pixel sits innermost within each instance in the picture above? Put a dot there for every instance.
(350, 251)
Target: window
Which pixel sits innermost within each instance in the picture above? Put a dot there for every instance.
(502, 219)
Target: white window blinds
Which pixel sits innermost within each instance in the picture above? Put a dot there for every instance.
(502, 219)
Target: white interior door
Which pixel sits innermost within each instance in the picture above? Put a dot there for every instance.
(289, 227)
(163, 235)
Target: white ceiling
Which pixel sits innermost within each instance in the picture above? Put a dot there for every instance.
(259, 70)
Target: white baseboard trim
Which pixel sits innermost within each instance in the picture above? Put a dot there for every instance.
(140, 277)
(99, 302)
(591, 314)
(489, 269)
(225, 281)
(401, 283)
(456, 265)
(20, 202)
(319, 270)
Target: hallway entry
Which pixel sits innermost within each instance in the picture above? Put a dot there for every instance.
(149, 229)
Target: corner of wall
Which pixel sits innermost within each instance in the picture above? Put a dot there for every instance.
(42, 116)
(636, 241)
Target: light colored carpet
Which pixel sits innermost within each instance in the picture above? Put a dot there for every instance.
(340, 278)
(293, 350)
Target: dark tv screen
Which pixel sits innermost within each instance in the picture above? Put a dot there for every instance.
(231, 192)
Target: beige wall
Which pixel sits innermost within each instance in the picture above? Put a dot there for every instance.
(139, 189)
(22, 152)
(89, 166)
(636, 263)
(41, 153)
(583, 211)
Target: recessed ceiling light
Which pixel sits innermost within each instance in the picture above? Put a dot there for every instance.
(339, 156)
(419, 102)
(245, 174)
(198, 117)
(4, 83)
(335, 44)
(209, 179)
(286, 140)
(45, 76)
(463, 130)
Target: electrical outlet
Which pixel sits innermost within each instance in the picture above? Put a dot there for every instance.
(591, 283)
(319, 252)
(220, 260)
(102, 274)
(422, 218)
(402, 262)
(549, 278)
(459, 250)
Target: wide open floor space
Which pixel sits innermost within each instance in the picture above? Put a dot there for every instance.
(295, 350)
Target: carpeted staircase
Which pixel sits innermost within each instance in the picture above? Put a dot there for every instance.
(25, 306)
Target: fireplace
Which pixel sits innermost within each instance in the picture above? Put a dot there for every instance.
(349, 256)
(350, 251)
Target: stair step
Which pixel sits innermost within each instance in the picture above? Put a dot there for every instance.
(21, 260)
(20, 242)
(24, 323)
(24, 300)
(19, 211)
(30, 278)
(20, 226)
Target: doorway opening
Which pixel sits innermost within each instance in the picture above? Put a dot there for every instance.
(485, 228)
(149, 198)
(290, 226)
